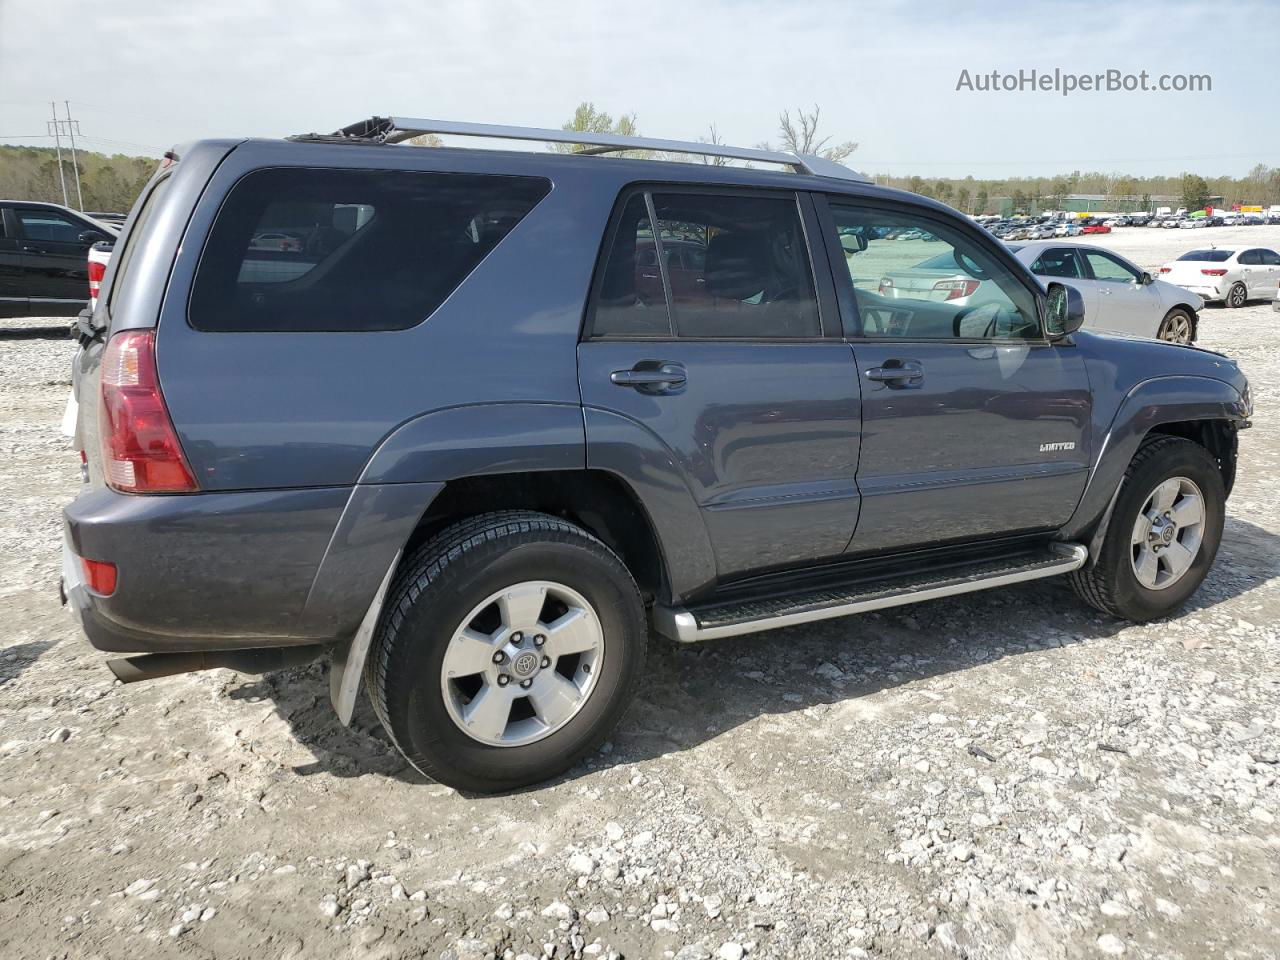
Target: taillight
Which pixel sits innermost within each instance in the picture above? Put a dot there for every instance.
(96, 272)
(99, 575)
(1214, 273)
(140, 449)
(957, 289)
(1165, 269)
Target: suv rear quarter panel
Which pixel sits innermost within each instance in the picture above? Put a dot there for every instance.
(258, 410)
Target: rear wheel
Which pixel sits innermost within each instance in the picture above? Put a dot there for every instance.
(1237, 296)
(1163, 534)
(512, 645)
(1177, 327)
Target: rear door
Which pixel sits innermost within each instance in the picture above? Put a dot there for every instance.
(739, 373)
(54, 260)
(13, 297)
(974, 425)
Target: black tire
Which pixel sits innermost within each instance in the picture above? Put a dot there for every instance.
(435, 590)
(1165, 332)
(1238, 295)
(1110, 584)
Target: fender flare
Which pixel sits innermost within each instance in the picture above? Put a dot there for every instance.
(1149, 404)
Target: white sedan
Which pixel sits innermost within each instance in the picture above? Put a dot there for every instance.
(1233, 277)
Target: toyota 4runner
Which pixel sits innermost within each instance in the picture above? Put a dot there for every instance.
(474, 423)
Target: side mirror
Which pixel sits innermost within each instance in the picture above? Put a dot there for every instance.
(1065, 311)
(852, 243)
(1146, 278)
(91, 237)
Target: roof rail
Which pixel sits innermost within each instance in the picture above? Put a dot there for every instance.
(397, 129)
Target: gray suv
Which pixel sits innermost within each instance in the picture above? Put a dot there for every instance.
(475, 423)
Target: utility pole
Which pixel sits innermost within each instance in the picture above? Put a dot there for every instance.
(73, 127)
(57, 142)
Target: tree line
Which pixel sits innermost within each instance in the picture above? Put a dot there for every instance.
(112, 183)
(109, 184)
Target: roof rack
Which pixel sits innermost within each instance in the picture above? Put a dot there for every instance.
(398, 129)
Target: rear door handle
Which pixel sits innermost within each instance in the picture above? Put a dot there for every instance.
(651, 378)
(897, 372)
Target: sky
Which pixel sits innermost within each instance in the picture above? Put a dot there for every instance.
(143, 75)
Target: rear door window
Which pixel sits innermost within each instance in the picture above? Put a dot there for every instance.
(736, 267)
(349, 250)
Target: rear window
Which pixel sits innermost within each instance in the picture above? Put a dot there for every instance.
(1208, 256)
(349, 250)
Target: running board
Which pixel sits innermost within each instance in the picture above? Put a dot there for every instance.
(714, 620)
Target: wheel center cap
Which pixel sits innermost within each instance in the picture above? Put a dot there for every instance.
(525, 665)
(1167, 533)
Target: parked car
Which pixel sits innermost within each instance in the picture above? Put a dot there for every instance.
(1233, 277)
(459, 451)
(43, 266)
(96, 268)
(1194, 223)
(1096, 228)
(1119, 296)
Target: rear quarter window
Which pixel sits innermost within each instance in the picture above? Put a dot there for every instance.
(296, 250)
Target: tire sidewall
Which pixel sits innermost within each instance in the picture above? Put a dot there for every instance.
(1184, 459)
(1231, 295)
(422, 726)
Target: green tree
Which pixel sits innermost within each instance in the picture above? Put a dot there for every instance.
(980, 205)
(1195, 192)
(587, 119)
(962, 200)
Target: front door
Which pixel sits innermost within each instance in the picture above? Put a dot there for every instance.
(974, 426)
(55, 260)
(1125, 303)
(730, 368)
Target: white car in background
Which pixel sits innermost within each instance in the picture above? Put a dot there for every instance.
(1233, 276)
(1119, 296)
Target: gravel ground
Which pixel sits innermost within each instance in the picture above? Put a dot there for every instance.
(1007, 774)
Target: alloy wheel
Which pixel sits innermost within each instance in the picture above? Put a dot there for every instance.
(522, 664)
(1167, 533)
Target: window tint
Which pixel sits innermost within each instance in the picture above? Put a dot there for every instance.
(737, 267)
(1208, 256)
(314, 250)
(1270, 257)
(1107, 267)
(48, 226)
(1250, 258)
(924, 280)
(630, 302)
(743, 268)
(1058, 262)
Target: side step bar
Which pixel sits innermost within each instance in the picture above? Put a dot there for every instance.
(714, 620)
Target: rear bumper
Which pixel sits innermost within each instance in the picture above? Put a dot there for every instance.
(202, 572)
(236, 570)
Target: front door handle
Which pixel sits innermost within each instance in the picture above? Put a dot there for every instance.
(649, 377)
(898, 373)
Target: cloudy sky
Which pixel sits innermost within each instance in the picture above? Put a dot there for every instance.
(143, 75)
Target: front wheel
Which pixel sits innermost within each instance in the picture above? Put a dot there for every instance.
(512, 645)
(1176, 327)
(1163, 534)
